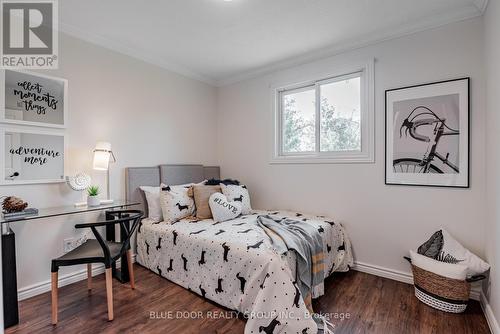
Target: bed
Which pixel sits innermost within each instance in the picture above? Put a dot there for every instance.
(233, 263)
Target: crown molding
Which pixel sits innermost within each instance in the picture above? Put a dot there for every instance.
(132, 52)
(474, 10)
(481, 5)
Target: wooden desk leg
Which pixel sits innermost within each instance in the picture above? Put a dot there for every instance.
(121, 274)
(9, 279)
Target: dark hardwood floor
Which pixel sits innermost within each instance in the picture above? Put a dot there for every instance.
(374, 305)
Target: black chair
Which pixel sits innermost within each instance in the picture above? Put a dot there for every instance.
(99, 250)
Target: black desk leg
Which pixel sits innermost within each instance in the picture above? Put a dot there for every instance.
(121, 274)
(9, 279)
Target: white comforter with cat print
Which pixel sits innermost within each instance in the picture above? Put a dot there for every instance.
(233, 264)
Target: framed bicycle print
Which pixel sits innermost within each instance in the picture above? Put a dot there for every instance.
(427, 134)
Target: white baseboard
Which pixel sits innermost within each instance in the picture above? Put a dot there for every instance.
(45, 286)
(490, 316)
(395, 275)
(401, 276)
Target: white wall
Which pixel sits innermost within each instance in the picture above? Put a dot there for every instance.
(492, 46)
(150, 116)
(384, 222)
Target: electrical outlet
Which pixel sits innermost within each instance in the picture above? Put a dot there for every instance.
(67, 245)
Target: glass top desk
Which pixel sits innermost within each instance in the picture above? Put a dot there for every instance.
(10, 302)
(68, 210)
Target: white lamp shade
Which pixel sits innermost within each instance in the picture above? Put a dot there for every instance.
(102, 153)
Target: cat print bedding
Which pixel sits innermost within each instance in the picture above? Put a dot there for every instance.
(234, 264)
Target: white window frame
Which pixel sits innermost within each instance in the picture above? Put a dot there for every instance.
(367, 153)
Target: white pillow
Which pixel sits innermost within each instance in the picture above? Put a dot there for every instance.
(153, 201)
(176, 202)
(455, 271)
(238, 194)
(452, 247)
(222, 209)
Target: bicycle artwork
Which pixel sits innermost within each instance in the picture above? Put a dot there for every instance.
(427, 134)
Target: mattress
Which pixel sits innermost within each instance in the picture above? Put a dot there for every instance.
(233, 264)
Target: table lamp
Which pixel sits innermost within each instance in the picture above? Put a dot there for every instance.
(102, 155)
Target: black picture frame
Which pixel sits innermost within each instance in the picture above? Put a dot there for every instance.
(388, 150)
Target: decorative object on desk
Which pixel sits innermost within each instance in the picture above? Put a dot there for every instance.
(24, 213)
(79, 182)
(93, 196)
(33, 99)
(427, 134)
(13, 204)
(102, 154)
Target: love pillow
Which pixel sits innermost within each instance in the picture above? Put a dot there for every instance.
(222, 209)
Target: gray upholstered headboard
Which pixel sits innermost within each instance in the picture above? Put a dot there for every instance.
(136, 177)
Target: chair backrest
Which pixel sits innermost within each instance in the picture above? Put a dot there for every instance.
(122, 217)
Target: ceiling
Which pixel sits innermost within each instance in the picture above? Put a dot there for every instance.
(221, 42)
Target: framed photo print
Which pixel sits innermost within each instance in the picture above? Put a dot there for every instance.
(33, 99)
(427, 134)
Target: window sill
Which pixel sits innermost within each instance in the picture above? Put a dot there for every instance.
(338, 159)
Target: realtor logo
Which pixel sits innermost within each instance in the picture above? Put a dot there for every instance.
(29, 34)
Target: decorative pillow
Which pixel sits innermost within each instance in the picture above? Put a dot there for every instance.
(452, 249)
(444, 248)
(433, 246)
(176, 202)
(455, 271)
(153, 201)
(238, 194)
(201, 196)
(222, 209)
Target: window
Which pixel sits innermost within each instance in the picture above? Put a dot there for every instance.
(325, 121)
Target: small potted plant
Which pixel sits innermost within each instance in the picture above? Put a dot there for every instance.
(93, 196)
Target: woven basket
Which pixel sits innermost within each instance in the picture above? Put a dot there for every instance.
(442, 293)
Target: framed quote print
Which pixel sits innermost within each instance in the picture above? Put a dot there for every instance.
(427, 134)
(31, 156)
(33, 99)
